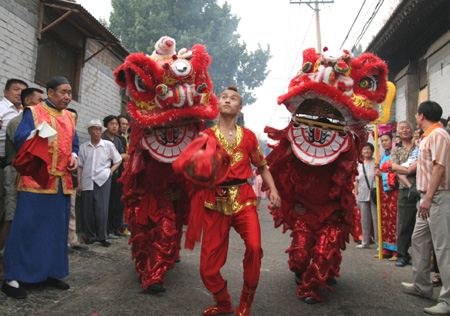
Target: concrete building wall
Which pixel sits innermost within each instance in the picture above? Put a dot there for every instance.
(407, 82)
(399, 108)
(99, 95)
(438, 62)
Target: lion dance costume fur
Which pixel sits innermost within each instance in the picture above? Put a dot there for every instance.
(332, 99)
(171, 96)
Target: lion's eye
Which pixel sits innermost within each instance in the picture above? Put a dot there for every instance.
(181, 67)
(370, 83)
(139, 84)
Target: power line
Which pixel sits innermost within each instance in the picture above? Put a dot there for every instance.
(366, 26)
(351, 27)
(299, 51)
(293, 65)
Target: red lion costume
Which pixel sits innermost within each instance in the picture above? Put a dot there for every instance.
(171, 95)
(314, 164)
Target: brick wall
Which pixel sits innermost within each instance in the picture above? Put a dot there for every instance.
(99, 95)
(18, 44)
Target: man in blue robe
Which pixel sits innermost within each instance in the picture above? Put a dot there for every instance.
(36, 250)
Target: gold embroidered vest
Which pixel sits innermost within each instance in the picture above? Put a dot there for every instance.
(59, 151)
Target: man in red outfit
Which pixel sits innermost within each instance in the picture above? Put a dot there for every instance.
(233, 204)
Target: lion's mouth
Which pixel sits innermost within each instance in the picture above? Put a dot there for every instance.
(321, 114)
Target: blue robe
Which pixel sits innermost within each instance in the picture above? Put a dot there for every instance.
(386, 156)
(36, 248)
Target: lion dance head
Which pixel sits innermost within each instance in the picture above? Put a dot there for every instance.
(332, 99)
(170, 96)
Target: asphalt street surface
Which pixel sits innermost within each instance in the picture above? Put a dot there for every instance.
(103, 282)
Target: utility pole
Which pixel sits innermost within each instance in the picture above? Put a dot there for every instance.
(316, 10)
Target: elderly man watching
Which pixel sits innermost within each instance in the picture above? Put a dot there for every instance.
(406, 206)
(43, 207)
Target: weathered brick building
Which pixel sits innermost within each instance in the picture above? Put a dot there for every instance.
(415, 42)
(41, 39)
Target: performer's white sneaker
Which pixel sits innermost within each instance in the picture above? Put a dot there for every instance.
(437, 310)
(410, 288)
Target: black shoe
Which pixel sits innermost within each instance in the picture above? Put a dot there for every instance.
(401, 263)
(331, 282)
(156, 288)
(71, 250)
(89, 241)
(119, 233)
(310, 300)
(298, 278)
(80, 247)
(58, 284)
(177, 260)
(13, 292)
(105, 243)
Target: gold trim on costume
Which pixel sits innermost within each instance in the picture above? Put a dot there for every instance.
(256, 158)
(236, 156)
(226, 201)
(35, 118)
(54, 190)
(53, 150)
(52, 111)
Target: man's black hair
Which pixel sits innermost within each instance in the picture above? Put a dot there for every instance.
(72, 110)
(124, 116)
(55, 82)
(10, 82)
(108, 119)
(431, 110)
(370, 146)
(28, 92)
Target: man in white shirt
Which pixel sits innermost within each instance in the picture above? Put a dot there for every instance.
(29, 97)
(10, 107)
(98, 159)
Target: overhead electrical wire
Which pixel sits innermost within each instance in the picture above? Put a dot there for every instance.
(366, 26)
(299, 51)
(293, 65)
(351, 27)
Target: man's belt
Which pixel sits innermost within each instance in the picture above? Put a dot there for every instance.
(226, 198)
(233, 182)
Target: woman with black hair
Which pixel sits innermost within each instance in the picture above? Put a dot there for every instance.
(115, 212)
(365, 181)
(388, 201)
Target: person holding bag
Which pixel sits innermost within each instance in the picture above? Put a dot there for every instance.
(365, 182)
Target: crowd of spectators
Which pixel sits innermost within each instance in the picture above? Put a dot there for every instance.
(414, 184)
(93, 168)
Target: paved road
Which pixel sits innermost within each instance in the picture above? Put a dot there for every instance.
(103, 281)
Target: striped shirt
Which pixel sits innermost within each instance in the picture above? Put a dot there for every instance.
(434, 148)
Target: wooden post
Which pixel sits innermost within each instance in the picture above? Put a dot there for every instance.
(380, 236)
(319, 41)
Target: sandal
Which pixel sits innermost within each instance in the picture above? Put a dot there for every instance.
(437, 281)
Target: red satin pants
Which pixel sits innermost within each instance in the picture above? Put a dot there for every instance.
(316, 255)
(215, 246)
(155, 245)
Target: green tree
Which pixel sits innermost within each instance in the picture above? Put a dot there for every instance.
(140, 23)
(357, 51)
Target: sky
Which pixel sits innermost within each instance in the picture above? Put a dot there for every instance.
(288, 29)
